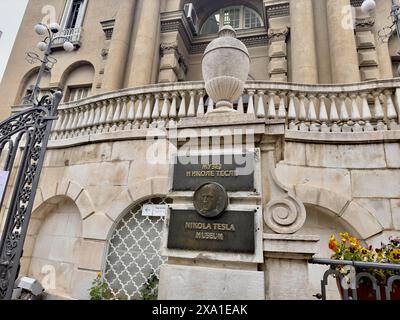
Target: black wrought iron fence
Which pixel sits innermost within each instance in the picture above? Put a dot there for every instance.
(358, 280)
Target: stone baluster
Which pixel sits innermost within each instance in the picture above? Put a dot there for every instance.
(172, 111)
(131, 113)
(323, 113)
(240, 107)
(344, 115)
(292, 116)
(391, 111)
(164, 110)
(333, 114)
(59, 122)
(210, 106)
(182, 106)
(146, 113)
(200, 108)
(123, 117)
(192, 110)
(302, 113)
(97, 116)
(156, 111)
(76, 113)
(77, 121)
(250, 105)
(379, 115)
(282, 106)
(355, 113)
(103, 116)
(139, 113)
(366, 113)
(69, 123)
(91, 117)
(312, 114)
(271, 113)
(260, 106)
(110, 116)
(116, 115)
(85, 119)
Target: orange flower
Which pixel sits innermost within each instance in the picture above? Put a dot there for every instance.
(333, 244)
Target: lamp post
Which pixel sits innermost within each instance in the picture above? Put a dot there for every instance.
(27, 132)
(46, 46)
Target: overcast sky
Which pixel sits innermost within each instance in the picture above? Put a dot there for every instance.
(11, 13)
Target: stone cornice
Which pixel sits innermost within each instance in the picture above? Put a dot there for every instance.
(278, 34)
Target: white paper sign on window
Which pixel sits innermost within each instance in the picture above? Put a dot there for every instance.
(154, 210)
(3, 182)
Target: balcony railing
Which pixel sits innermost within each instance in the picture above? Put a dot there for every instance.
(361, 284)
(72, 35)
(327, 110)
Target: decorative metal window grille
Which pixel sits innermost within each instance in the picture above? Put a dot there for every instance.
(133, 258)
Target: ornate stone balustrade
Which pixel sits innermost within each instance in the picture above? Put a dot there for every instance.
(365, 107)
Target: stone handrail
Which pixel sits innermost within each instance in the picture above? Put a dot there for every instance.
(363, 107)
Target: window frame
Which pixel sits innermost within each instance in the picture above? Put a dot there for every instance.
(242, 9)
(68, 11)
(72, 88)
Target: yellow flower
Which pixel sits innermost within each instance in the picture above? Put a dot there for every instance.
(98, 274)
(394, 255)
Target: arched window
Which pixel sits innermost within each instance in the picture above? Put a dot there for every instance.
(133, 258)
(239, 17)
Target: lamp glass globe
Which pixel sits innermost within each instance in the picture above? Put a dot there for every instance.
(55, 27)
(68, 46)
(42, 46)
(368, 6)
(40, 29)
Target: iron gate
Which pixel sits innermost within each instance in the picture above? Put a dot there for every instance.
(25, 134)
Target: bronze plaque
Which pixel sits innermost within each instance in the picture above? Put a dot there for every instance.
(233, 172)
(233, 231)
(210, 200)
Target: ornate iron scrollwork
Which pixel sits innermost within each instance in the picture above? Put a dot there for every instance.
(33, 127)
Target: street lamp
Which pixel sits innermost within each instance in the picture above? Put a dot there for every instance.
(45, 46)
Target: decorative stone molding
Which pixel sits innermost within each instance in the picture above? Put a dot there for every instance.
(276, 10)
(278, 53)
(173, 64)
(364, 24)
(284, 213)
(278, 34)
(367, 55)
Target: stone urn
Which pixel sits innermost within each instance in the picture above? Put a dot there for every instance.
(226, 65)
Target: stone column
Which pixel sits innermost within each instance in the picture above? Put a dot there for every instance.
(342, 43)
(119, 47)
(140, 72)
(381, 20)
(304, 61)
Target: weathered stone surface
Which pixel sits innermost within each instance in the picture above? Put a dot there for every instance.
(82, 281)
(346, 156)
(119, 204)
(375, 183)
(295, 153)
(85, 204)
(328, 199)
(381, 210)
(91, 254)
(392, 151)
(195, 283)
(330, 179)
(97, 227)
(395, 205)
(95, 152)
(112, 174)
(361, 220)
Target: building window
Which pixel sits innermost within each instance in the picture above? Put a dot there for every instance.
(78, 93)
(73, 14)
(239, 17)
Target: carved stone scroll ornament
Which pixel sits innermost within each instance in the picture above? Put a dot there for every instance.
(284, 213)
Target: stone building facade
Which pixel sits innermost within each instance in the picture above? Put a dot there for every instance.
(322, 102)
